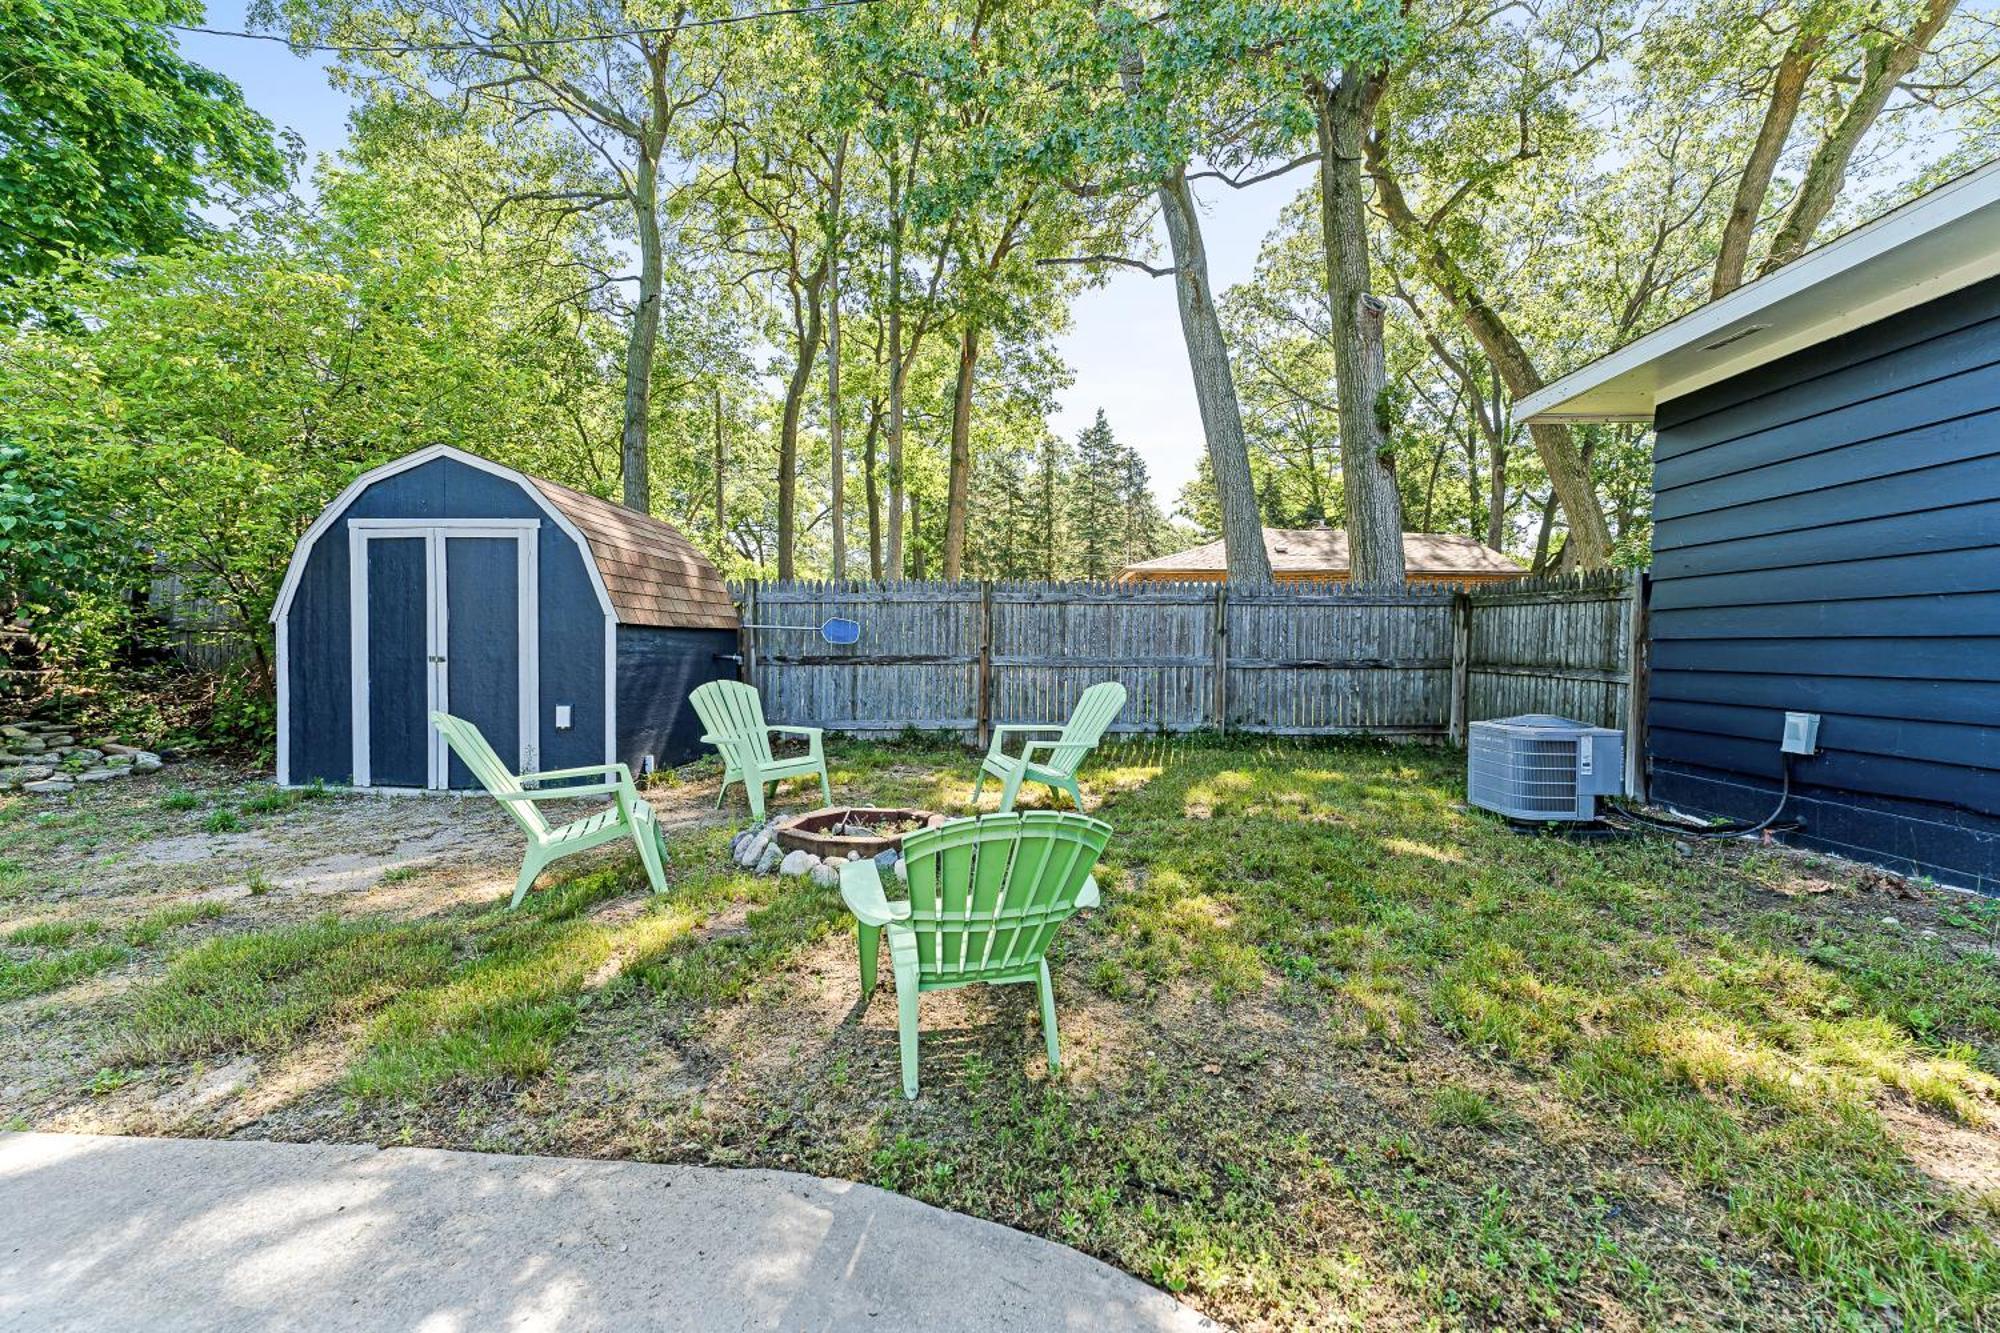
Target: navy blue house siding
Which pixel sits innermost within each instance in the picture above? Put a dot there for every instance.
(657, 670)
(1827, 539)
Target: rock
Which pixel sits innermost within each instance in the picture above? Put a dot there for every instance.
(886, 861)
(30, 745)
(49, 787)
(100, 774)
(935, 821)
(753, 855)
(799, 862)
(738, 843)
(826, 875)
(902, 871)
(55, 739)
(84, 756)
(118, 761)
(147, 762)
(14, 731)
(32, 772)
(768, 859)
(113, 747)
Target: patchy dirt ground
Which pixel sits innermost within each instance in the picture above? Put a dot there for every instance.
(1337, 1052)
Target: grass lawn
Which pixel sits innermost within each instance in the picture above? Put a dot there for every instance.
(1337, 1049)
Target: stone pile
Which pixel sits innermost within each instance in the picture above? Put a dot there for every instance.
(756, 849)
(48, 759)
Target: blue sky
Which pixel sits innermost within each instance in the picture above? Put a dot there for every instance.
(1124, 347)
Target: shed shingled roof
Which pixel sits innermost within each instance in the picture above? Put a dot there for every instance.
(1324, 551)
(654, 575)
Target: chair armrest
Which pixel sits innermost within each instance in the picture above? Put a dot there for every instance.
(1000, 733)
(563, 793)
(861, 889)
(620, 770)
(813, 737)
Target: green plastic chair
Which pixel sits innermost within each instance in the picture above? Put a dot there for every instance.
(1079, 736)
(732, 716)
(629, 815)
(986, 897)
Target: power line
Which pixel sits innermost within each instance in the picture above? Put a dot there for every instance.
(414, 48)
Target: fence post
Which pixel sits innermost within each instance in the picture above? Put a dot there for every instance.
(985, 662)
(1219, 696)
(1638, 685)
(747, 636)
(1461, 665)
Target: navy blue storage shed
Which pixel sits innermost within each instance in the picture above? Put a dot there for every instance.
(569, 630)
(1826, 537)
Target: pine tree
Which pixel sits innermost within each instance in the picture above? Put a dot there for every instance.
(1143, 521)
(1049, 491)
(1097, 501)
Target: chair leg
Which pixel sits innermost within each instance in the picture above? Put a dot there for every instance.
(1048, 991)
(753, 787)
(530, 867)
(871, 945)
(825, 786)
(906, 1031)
(1075, 795)
(977, 783)
(1009, 790)
(721, 790)
(646, 836)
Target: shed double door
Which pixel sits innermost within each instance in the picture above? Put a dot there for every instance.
(443, 617)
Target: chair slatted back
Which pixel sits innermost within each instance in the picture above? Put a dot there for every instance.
(473, 751)
(987, 894)
(1094, 712)
(731, 709)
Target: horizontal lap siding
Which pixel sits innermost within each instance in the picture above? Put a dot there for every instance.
(1827, 539)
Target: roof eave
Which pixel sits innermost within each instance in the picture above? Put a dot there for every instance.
(1948, 238)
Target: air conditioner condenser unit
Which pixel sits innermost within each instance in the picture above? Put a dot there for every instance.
(1538, 767)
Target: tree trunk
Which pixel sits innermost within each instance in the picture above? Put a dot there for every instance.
(1787, 90)
(643, 338)
(721, 470)
(958, 488)
(872, 492)
(837, 469)
(788, 423)
(1589, 535)
(1368, 468)
(1496, 502)
(1214, 388)
(1885, 67)
(893, 556)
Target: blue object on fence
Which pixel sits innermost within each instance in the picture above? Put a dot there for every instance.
(835, 630)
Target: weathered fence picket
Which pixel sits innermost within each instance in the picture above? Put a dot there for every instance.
(1286, 659)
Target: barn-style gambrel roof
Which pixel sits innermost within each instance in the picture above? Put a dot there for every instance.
(654, 575)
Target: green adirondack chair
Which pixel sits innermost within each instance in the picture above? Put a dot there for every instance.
(628, 816)
(986, 897)
(733, 717)
(1066, 753)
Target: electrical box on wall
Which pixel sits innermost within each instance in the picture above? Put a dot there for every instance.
(1801, 734)
(562, 717)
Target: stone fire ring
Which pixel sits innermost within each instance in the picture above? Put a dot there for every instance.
(811, 832)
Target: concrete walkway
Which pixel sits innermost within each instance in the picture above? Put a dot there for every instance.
(100, 1233)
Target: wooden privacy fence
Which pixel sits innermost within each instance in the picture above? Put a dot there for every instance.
(1286, 659)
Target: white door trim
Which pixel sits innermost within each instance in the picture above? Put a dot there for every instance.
(437, 631)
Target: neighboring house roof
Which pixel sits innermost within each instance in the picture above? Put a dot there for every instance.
(1300, 551)
(1935, 244)
(655, 576)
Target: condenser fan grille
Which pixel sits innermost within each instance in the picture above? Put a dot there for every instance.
(1538, 767)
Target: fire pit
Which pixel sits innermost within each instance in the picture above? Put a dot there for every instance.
(851, 830)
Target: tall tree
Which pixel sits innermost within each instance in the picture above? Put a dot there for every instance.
(110, 140)
(612, 75)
